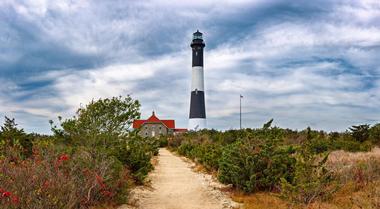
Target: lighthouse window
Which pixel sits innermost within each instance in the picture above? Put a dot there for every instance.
(196, 53)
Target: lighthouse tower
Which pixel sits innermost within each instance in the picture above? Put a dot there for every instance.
(197, 114)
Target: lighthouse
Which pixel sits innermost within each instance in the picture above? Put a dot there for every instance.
(197, 116)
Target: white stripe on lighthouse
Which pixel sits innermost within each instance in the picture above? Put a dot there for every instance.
(197, 82)
(197, 124)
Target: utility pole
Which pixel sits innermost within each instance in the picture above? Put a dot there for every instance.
(240, 109)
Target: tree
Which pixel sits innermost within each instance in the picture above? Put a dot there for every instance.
(268, 124)
(101, 122)
(11, 136)
(374, 133)
(360, 133)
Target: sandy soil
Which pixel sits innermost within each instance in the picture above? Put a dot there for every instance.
(174, 185)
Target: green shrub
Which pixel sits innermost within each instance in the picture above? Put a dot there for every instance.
(100, 155)
(163, 141)
(209, 155)
(136, 152)
(351, 145)
(374, 134)
(256, 165)
(360, 133)
(312, 181)
(186, 149)
(175, 141)
(104, 125)
(12, 136)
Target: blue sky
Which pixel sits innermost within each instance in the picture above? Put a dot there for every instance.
(303, 63)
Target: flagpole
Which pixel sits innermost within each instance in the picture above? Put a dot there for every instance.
(240, 109)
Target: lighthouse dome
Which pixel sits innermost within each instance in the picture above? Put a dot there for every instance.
(197, 35)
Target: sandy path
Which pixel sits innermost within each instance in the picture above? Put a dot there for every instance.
(176, 186)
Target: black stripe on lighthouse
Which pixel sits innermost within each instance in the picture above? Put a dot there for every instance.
(197, 105)
(198, 55)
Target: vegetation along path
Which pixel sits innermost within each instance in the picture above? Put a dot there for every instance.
(174, 185)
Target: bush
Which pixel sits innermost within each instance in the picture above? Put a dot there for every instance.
(136, 153)
(374, 134)
(100, 123)
(104, 125)
(12, 136)
(175, 141)
(311, 180)
(59, 180)
(163, 141)
(209, 155)
(351, 145)
(256, 165)
(90, 160)
(360, 133)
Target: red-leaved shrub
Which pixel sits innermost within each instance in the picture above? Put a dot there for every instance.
(58, 180)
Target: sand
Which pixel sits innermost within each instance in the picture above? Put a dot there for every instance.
(174, 185)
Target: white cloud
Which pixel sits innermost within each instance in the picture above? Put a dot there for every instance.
(303, 69)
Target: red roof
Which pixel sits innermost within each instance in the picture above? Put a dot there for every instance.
(180, 129)
(153, 119)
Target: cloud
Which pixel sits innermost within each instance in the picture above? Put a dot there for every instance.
(302, 63)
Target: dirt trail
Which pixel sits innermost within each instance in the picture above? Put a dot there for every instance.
(176, 186)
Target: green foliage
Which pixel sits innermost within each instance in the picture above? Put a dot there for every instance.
(250, 159)
(104, 124)
(136, 152)
(255, 165)
(206, 153)
(374, 134)
(317, 142)
(163, 141)
(12, 136)
(274, 159)
(101, 122)
(268, 124)
(360, 133)
(102, 156)
(311, 180)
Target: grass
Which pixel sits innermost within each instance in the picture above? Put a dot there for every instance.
(262, 200)
(364, 198)
(349, 158)
(359, 178)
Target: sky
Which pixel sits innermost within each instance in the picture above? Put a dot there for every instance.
(303, 63)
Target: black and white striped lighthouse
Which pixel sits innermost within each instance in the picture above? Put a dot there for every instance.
(197, 114)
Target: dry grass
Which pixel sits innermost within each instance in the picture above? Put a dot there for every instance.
(154, 161)
(347, 198)
(366, 197)
(359, 168)
(260, 200)
(359, 177)
(349, 158)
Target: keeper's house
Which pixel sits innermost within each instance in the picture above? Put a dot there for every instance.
(154, 127)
